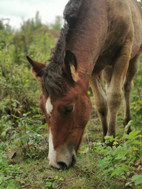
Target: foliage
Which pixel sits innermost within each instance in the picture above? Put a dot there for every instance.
(136, 105)
(57, 25)
(140, 2)
(6, 173)
(51, 182)
(15, 83)
(123, 161)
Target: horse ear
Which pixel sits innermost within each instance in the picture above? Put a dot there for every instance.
(70, 64)
(37, 68)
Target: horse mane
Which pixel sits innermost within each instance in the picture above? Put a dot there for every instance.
(71, 11)
(59, 50)
(54, 76)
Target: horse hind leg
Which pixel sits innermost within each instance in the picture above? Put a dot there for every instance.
(128, 85)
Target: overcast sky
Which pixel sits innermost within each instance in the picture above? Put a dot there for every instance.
(18, 10)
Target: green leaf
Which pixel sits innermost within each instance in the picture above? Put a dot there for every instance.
(137, 179)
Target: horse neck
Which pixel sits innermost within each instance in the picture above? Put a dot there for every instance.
(87, 38)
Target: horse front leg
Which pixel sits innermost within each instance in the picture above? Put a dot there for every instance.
(114, 91)
(100, 100)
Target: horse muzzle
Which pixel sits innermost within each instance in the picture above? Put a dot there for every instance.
(62, 158)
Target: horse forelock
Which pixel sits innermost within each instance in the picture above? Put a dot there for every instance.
(53, 81)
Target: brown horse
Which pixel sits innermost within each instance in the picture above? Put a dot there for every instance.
(100, 39)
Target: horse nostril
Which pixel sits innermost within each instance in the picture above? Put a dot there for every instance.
(62, 165)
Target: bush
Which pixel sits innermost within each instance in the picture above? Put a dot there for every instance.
(21, 122)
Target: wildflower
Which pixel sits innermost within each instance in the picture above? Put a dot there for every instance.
(115, 143)
(89, 93)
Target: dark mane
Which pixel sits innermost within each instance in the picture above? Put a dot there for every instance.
(54, 77)
(71, 11)
(57, 54)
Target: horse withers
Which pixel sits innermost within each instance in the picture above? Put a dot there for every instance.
(101, 39)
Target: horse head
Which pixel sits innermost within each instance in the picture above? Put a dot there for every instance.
(65, 102)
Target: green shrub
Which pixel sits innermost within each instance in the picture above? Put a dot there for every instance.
(123, 160)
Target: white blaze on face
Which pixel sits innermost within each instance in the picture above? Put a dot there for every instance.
(52, 152)
(49, 106)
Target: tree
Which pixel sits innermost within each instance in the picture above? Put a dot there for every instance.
(1, 25)
(58, 23)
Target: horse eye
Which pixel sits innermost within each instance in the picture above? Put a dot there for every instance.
(68, 109)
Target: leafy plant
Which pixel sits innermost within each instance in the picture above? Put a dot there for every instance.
(123, 159)
(7, 173)
(51, 182)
